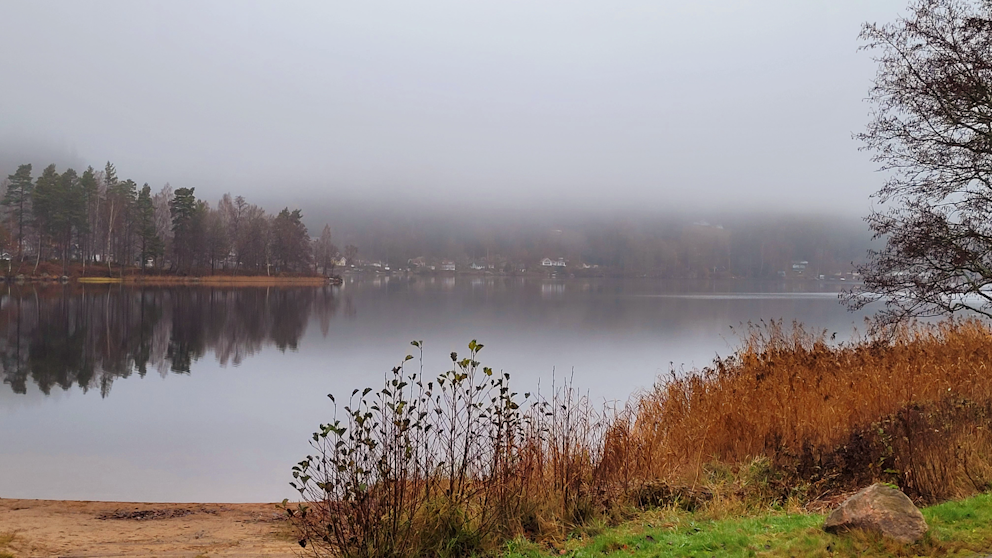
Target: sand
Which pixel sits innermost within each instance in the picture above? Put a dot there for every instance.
(50, 528)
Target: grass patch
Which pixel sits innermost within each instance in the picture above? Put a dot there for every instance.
(956, 529)
(98, 280)
(5, 540)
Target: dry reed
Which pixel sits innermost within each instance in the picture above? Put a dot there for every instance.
(912, 406)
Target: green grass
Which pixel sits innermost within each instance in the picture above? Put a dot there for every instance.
(956, 529)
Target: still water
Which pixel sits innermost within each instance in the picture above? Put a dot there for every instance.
(210, 394)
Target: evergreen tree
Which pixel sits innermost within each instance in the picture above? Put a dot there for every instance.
(68, 214)
(109, 183)
(18, 199)
(252, 244)
(43, 206)
(124, 196)
(58, 210)
(90, 191)
(184, 213)
(290, 241)
(150, 243)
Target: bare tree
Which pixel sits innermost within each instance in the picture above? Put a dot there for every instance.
(931, 132)
(324, 252)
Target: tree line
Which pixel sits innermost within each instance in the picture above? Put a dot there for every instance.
(647, 243)
(96, 218)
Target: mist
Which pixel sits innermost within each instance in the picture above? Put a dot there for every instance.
(715, 105)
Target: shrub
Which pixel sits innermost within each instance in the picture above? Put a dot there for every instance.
(447, 467)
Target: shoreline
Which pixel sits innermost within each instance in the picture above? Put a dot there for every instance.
(211, 280)
(95, 528)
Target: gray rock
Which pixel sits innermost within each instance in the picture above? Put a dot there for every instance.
(881, 509)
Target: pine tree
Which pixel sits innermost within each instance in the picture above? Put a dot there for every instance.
(90, 191)
(109, 182)
(68, 214)
(290, 241)
(18, 199)
(43, 206)
(151, 244)
(184, 209)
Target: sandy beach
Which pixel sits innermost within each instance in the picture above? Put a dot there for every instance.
(67, 529)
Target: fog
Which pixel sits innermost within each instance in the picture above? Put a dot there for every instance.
(708, 105)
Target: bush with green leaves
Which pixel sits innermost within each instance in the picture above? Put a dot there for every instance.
(446, 467)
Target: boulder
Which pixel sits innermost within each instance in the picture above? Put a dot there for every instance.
(881, 509)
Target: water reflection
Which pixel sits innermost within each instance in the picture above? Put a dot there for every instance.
(226, 435)
(87, 336)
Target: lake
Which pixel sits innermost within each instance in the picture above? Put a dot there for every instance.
(210, 394)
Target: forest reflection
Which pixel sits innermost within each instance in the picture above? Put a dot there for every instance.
(60, 336)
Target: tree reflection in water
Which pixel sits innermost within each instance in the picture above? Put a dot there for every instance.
(87, 336)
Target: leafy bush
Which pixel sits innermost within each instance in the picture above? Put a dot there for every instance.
(446, 467)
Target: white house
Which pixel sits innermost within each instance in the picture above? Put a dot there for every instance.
(447, 265)
(548, 262)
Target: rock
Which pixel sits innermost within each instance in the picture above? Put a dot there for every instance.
(881, 509)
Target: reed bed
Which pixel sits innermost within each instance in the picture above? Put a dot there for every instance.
(912, 406)
(459, 464)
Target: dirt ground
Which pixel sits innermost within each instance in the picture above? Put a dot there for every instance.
(50, 528)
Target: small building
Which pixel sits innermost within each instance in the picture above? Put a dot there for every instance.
(548, 262)
(447, 265)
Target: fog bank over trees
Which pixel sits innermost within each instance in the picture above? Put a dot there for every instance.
(125, 222)
(650, 241)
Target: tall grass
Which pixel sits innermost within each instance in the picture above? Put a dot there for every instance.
(457, 464)
(912, 406)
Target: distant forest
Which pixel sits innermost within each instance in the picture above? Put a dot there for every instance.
(651, 242)
(97, 218)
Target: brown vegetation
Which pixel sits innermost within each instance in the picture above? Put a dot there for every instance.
(913, 407)
(788, 420)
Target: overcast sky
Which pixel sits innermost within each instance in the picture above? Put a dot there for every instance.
(703, 103)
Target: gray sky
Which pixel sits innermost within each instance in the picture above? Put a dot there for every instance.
(708, 103)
